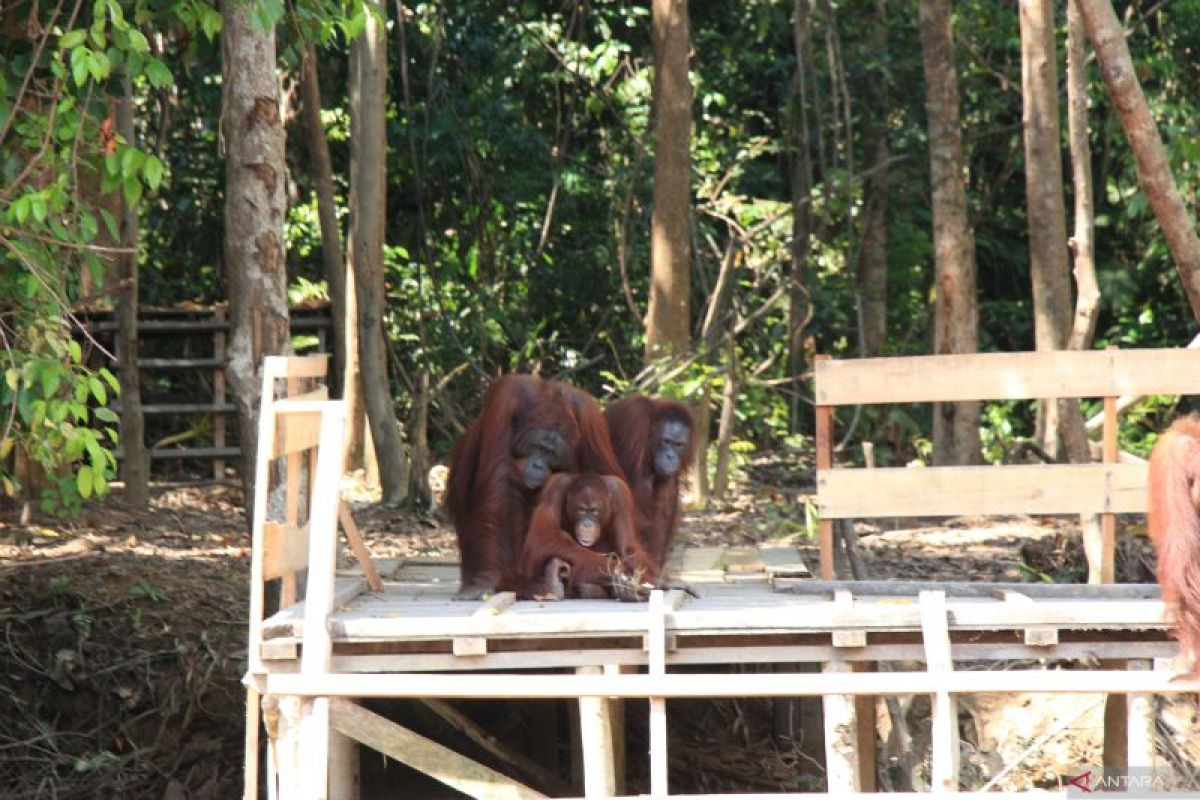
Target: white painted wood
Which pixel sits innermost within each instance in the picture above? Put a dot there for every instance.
(1034, 636)
(986, 490)
(496, 604)
(469, 646)
(1007, 376)
(1140, 739)
(596, 740)
(690, 685)
(944, 765)
(345, 780)
(841, 728)
(440, 763)
(657, 649)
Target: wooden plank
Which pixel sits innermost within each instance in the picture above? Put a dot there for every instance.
(824, 454)
(1072, 591)
(285, 549)
(469, 646)
(951, 491)
(496, 604)
(315, 366)
(596, 740)
(355, 540)
(656, 613)
(1107, 567)
(425, 755)
(218, 420)
(1141, 721)
(842, 769)
(699, 685)
(782, 560)
(1035, 635)
(180, 363)
(944, 764)
(297, 433)
(843, 601)
(300, 400)
(1007, 376)
(742, 560)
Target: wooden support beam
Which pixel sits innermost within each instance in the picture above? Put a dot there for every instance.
(938, 662)
(355, 540)
(656, 613)
(438, 762)
(596, 741)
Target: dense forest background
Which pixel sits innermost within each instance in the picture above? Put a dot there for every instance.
(519, 191)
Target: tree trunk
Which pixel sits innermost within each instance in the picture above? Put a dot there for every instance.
(344, 372)
(135, 467)
(368, 197)
(1153, 168)
(872, 259)
(1082, 242)
(1046, 215)
(255, 207)
(802, 182)
(668, 320)
(956, 317)
(725, 426)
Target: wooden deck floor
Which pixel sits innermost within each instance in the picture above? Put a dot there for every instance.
(740, 616)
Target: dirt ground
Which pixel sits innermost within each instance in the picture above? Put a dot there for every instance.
(123, 646)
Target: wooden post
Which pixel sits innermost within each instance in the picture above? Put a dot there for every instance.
(657, 644)
(596, 742)
(944, 734)
(866, 725)
(843, 766)
(218, 417)
(1141, 721)
(824, 447)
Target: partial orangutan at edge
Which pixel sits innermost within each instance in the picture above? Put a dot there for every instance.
(1174, 523)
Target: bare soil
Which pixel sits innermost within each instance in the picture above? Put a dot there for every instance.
(122, 647)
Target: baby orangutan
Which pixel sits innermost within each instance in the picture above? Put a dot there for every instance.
(583, 542)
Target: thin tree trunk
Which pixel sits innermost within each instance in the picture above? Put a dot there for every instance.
(321, 167)
(668, 320)
(1046, 214)
(135, 467)
(725, 427)
(368, 196)
(956, 316)
(255, 207)
(872, 259)
(802, 182)
(703, 412)
(1153, 168)
(1082, 242)
(344, 373)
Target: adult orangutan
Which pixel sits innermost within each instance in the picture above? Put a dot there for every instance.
(583, 542)
(654, 440)
(529, 429)
(1174, 522)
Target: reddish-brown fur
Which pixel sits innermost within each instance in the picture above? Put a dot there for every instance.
(633, 425)
(485, 499)
(551, 536)
(1174, 522)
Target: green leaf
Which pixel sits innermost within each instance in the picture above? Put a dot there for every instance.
(51, 379)
(98, 390)
(20, 209)
(72, 39)
(99, 483)
(133, 190)
(37, 204)
(84, 481)
(79, 64)
(106, 373)
(153, 170)
(110, 223)
(158, 74)
(76, 351)
(12, 377)
(137, 41)
(88, 226)
(105, 414)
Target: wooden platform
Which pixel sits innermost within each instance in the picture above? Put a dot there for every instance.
(414, 625)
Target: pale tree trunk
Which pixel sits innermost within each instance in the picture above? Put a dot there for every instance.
(1153, 167)
(668, 320)
(725, 425)
(956, 315)
(1046, 217)
(368, 196)
(135, 467)
(872, 259)
(255, 207)
(802, 181)
(1082, 242)
(344, 372)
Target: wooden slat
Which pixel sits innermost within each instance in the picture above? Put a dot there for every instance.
(782, 559)
(944, 761)
(297, 366)
(292, 403)
(297, 433)
(949, 491)
(355, 540)
(285, 549)
(425, 755)
(742, 560)
(1007, 376)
